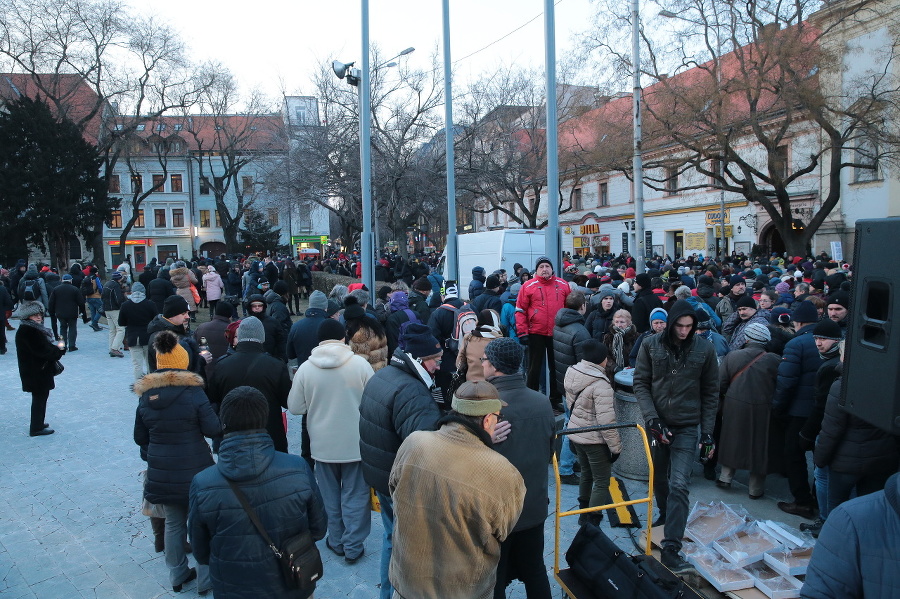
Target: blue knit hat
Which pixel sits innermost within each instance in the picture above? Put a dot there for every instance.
(658, 314)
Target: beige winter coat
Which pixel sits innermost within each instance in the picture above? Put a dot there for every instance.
(182, 279)
(591, 402)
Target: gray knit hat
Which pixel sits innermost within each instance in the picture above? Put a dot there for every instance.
(28, 308)
(756, 331)
(505, 354)
(318, 300)
(243, 409)
(251, 329)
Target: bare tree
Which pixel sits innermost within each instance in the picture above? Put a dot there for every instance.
(129, 64)
(231, 133)
(501, 155)
(748, 82)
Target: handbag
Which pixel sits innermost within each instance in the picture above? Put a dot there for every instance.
(298, 556)
(195, 294)
(57, 367)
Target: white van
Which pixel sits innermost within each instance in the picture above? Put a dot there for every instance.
(493, 250)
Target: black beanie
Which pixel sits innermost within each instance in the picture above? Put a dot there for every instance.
(280, 287)
(746, 302)
(224, 309)
(330, 329)
(643, 280)
(593, 351)
(174, 305)
(244, 409)
(827, 329)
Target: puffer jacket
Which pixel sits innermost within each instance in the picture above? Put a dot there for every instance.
(689, 395)
(283, 492)
(796, 387)
(182, 279)
(537, 304)
(855, 555)
(568, 335)
(212, 283)
(395, 403)
(852, 445)
(589, 396)
(173, 417)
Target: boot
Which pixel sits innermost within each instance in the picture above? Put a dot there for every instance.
(582, 518)
(159, 534)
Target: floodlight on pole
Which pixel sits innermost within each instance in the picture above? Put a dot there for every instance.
(359, 78)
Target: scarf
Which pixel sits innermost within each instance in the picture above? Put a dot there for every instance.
(488, 332)
(831, 353)
(27, 322)
(619, 345)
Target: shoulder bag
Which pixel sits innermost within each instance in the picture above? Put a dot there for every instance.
(298, 556)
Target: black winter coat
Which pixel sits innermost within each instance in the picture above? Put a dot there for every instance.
(173, 417)
(530, 446)
(488, 300)
(251, 366)
(851, 445)
(568, 335)
(442, 322)
(278, 312)
(796, 387)
(395, 404)
(644, 302)
(158, 290)
(600, 321)
(113, 296)
(36, 355)
(418, 303)
(283, 492)
(828, 372)
(136, 317)
(66, 302)
(303, 336)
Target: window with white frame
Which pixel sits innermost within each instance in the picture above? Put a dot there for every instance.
(866, 160)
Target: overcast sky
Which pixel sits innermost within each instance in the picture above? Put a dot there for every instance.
(267, 42)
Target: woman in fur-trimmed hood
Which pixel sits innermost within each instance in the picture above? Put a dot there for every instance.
(173, 417)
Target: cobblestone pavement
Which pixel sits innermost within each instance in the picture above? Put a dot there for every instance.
(71, 525)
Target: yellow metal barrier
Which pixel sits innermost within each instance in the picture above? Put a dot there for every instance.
(648, 499)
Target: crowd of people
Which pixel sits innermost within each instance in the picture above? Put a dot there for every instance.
(446, 407)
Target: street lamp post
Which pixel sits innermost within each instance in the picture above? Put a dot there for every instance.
(360, 79)
(721, 163)
(637, 162)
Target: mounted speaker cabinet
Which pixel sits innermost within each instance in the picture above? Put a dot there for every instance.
(871, 380)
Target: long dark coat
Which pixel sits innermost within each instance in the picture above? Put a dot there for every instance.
(746, 409)
(36, 355)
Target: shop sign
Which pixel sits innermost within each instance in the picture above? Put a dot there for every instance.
(295, 239)
(130, 242)
(590, 229)
(695, 241)
(625, 242)
(714, 217)
(729, 231)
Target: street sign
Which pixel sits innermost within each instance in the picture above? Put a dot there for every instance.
(309, 239)
(729, 231)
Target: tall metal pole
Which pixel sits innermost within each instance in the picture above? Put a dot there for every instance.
(638, 165)
(551, 238)
(452, 268)
(365, 156)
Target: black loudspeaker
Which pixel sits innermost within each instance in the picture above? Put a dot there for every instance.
(871, 380)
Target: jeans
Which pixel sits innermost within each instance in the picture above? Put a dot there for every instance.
(795, 462)
(38, 410)
(387, 520)
(821, 481)
(68, 330)
(567, 455)
(96, 306)
(841, 485)
(538, 347)
(139, 360)
(596, 468)
(522, 557)
(672, 466)
(116, 333)
(346, 497)
(176, 558)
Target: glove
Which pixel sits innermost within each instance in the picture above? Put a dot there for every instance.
(805, 444)
(659, 431)
(613, 457)
(523, 339)
(707, 448)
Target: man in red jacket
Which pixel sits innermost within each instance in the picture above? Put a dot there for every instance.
(538, 302)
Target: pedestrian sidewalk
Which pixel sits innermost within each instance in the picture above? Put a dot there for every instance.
(71, 525)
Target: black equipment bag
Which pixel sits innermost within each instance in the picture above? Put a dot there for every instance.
(612, 573)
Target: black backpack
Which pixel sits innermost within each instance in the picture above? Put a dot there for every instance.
(87, 286)
(32, 290)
